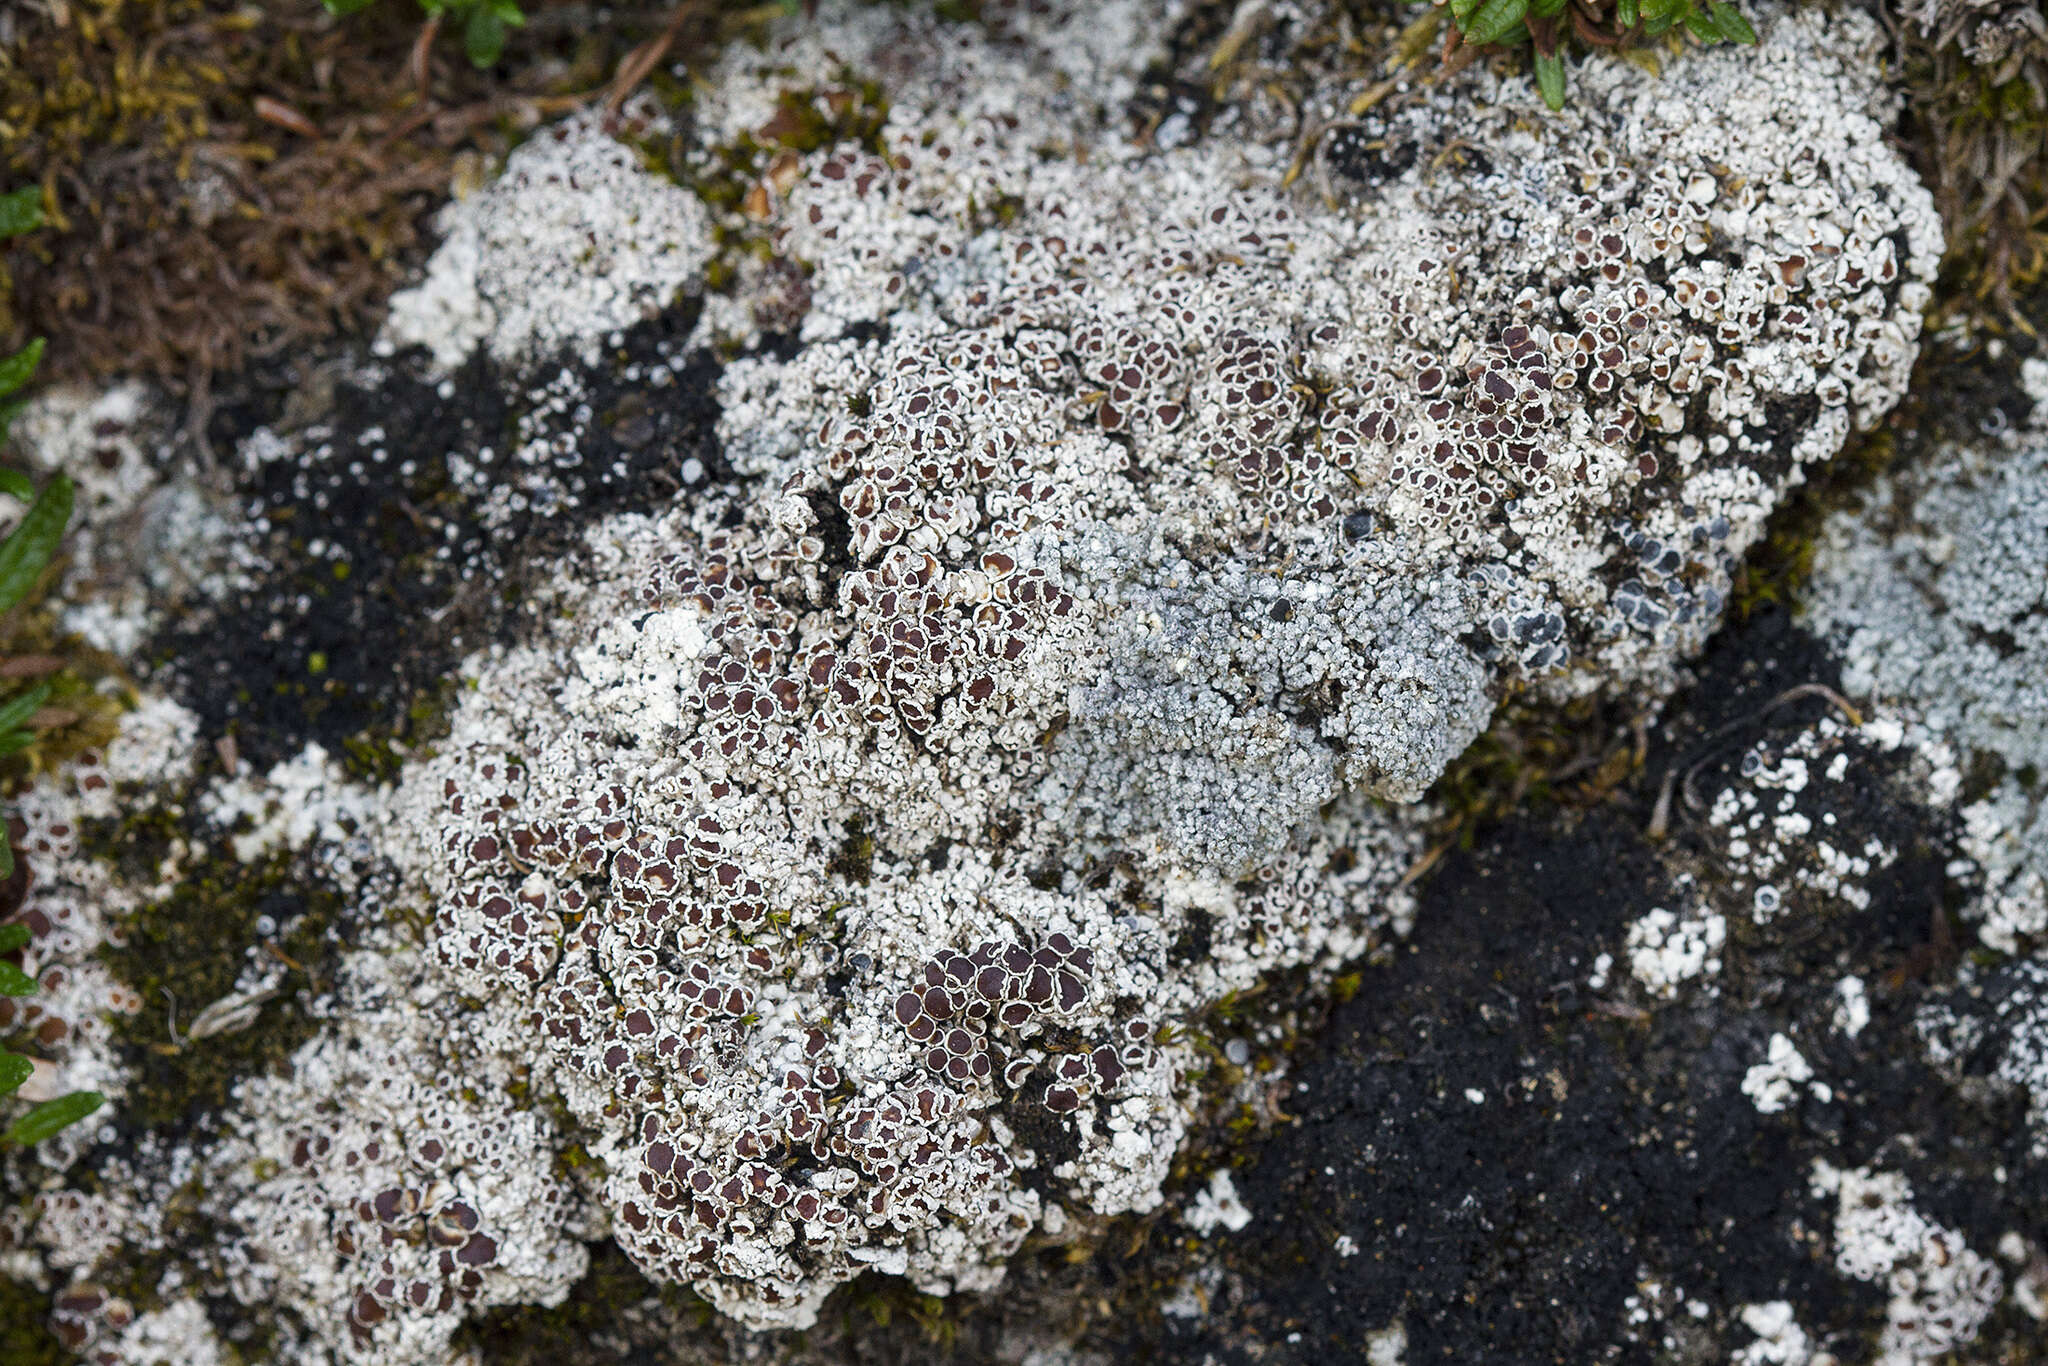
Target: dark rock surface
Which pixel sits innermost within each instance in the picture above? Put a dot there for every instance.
(1502, 1160)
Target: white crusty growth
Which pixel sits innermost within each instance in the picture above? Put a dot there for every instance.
(857, 838)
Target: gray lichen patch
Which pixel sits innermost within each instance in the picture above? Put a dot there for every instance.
(1936, 593)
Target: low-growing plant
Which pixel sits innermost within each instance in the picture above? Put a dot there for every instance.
(1548, 27)
(52, 1116)
(484, 22)
(20, 211)
(24, 555)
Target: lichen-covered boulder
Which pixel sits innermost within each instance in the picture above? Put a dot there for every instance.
(1107, 537)
(852, 846)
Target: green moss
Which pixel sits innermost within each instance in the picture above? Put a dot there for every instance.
(89, 686)
(184, 952)
(855, 861)
(377, 753)
(1779, 565)
(25, 1337)
(883, 1300)
(583, 1327)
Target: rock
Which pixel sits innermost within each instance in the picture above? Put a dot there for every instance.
(1510, 1146)
(857, 803)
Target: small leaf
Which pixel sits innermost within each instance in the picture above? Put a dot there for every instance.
(16, 483)
(1550, 79)
(15, 370)
(15, 982)
(484, 37)
(54, 1117)
(1494, 19)
(1702, 27)
(27, 550)
(1625, 15)
(14, 936)
(6, 853)
(14, 1070)
(19, 709)
(347, 7)
(1733, 26)
(21, 211)
(1549, 9)
(1462, 11)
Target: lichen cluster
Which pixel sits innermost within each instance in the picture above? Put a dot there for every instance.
(1077, 565)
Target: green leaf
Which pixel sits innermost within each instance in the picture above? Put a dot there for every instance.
(27, 550)
(484, 37)
(21, 211)
(9, 411)
(15, 370)
(54, 1117)
(1625, 15)
(15, 982)
(14, 1070)
(19, 709)
(1733, 26)
(1549, 9)
(14, 742)
(1462, 12)
(1494, 19)
(17, 483)
(14, 936)
(6, 853)
(1702, 27)
(1550, 79)
(347, 7)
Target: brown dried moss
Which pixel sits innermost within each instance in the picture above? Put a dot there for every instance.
(225, 180)
(1975, 76)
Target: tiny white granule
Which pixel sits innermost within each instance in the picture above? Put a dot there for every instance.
(1218, 1205)
(1773, 1084)
(1852, 1010)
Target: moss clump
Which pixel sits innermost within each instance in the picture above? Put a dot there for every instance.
(88, 692)
(379, 752)
(592, 1325)
(224, 180)
(185, 951)
(25, 1337)
(1977, 128)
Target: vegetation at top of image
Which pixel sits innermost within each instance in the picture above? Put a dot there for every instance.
(21, 211)
(1548, 27)
(24, 555)
(52, 1116)
(484, 22)
(1975, 76)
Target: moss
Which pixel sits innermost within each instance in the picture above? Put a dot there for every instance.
(884, 1300)
(185, 951)
(226, 179)
(378, 752)
(1778, 566)
(855, 861)
(583, 1327)
(89, 687)
(25, 1337)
